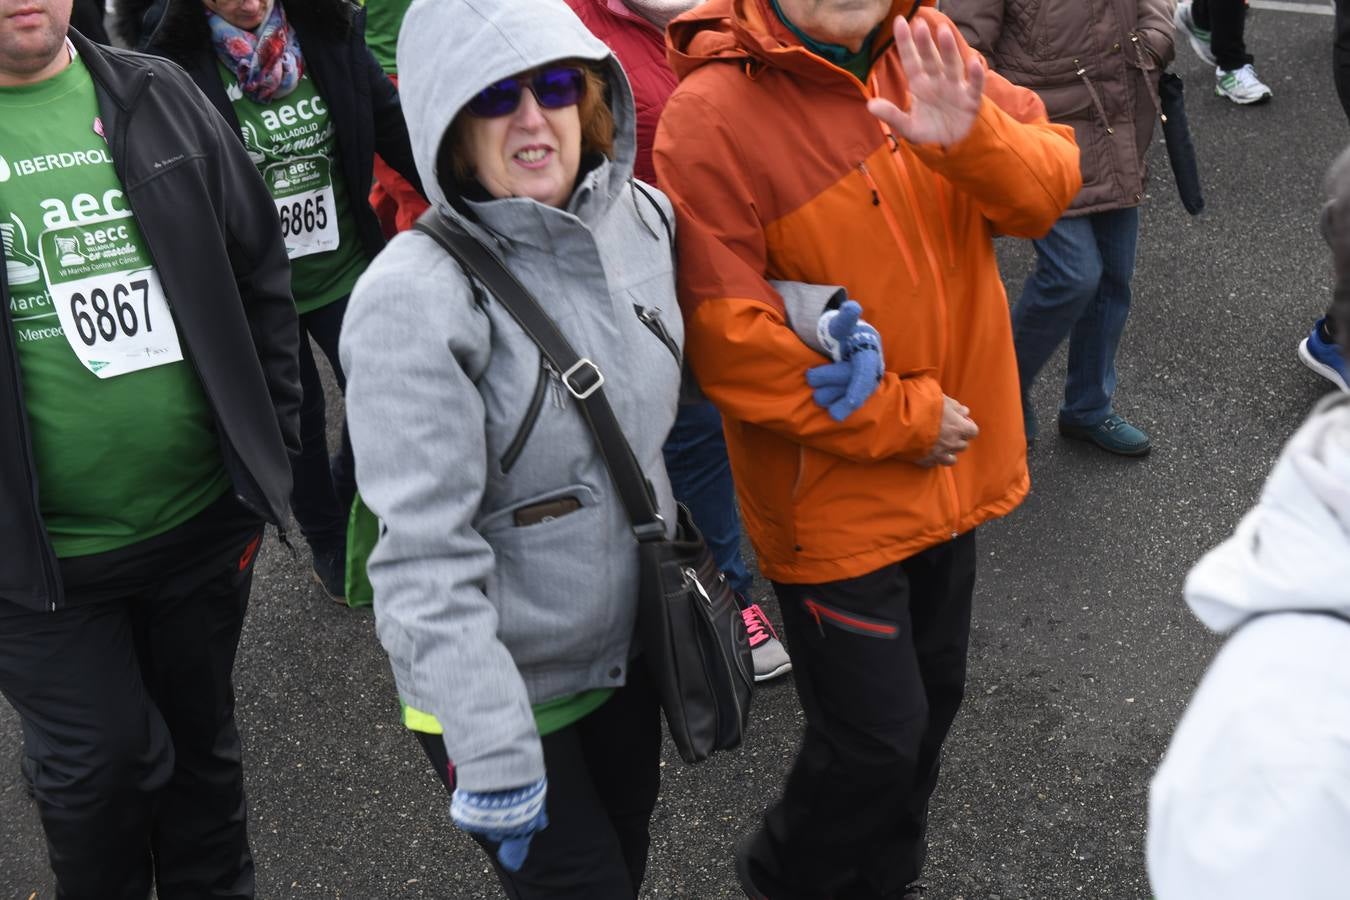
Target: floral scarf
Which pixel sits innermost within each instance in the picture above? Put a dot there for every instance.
(267, 63)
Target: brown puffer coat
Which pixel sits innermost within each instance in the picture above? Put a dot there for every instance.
(1095, 64)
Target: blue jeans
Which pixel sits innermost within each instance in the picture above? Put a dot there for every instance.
(1080, 289)
(700, 475)
(323, 490)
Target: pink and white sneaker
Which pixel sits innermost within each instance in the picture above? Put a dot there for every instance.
(767, 652)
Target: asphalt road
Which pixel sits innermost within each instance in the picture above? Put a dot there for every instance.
(1082, 656)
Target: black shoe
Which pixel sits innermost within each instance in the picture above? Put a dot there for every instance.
(330, 571)
(744, 866)
(914, 890)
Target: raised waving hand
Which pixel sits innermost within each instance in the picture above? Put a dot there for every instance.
(944, 89)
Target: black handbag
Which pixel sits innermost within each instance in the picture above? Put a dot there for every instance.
(689, 626)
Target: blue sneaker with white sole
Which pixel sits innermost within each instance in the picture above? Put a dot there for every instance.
(1324, 357)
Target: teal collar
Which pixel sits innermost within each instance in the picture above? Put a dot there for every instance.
(838, 54)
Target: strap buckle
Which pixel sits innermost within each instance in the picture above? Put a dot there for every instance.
(583, 367)
(654, 530)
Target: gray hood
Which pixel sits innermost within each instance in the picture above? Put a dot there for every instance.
(449, 50)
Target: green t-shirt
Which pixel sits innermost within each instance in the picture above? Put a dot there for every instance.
(294, 146)
(555, 715)
(383, 20)
(123, 437)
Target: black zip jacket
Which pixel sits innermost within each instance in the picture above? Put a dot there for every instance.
(213, 233)
(361, 100)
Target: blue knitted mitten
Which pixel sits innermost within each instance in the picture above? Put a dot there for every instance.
(509, 818)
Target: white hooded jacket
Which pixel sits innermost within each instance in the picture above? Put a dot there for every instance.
(1253, 796)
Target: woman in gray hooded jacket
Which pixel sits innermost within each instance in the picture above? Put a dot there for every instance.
(506, 574)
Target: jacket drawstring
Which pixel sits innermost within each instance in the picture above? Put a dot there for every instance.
(1143, 67)
(1096, 100)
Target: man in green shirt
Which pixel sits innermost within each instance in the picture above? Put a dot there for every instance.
(148, 398)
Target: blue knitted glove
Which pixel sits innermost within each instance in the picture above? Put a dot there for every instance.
(509, 818)
(844, 385)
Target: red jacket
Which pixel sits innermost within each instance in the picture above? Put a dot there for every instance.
(641, 49)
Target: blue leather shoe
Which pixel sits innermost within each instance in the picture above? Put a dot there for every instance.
(1113, 434)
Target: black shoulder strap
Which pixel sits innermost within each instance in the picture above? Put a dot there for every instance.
(661, 213)
(581, 377)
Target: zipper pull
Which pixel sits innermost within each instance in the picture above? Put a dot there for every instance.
(286, 542)
(691, 580)
(876, 198)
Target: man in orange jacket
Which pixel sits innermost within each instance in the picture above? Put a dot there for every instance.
(695, 450)
(797, 187)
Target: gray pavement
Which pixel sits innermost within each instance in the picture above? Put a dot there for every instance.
(1082, 655)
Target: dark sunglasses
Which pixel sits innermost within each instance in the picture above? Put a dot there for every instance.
(554, 87)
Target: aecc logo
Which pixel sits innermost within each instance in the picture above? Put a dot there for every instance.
(305, 111)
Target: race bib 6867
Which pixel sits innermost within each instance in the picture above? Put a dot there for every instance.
(108, 296)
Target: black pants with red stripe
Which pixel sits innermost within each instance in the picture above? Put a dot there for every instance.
(880, 667)
(128, 713)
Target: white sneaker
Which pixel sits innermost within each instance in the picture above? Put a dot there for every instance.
(1199, 37)
(1240, 85)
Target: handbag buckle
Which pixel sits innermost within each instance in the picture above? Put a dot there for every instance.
(654, 530)
(583, 366)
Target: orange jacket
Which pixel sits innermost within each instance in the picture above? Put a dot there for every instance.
(777, 171)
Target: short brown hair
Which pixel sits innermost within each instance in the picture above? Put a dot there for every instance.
(597, 129)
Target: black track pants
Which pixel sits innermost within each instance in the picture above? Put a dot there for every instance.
(880, 667)
(128, 714)
(1226, 21)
